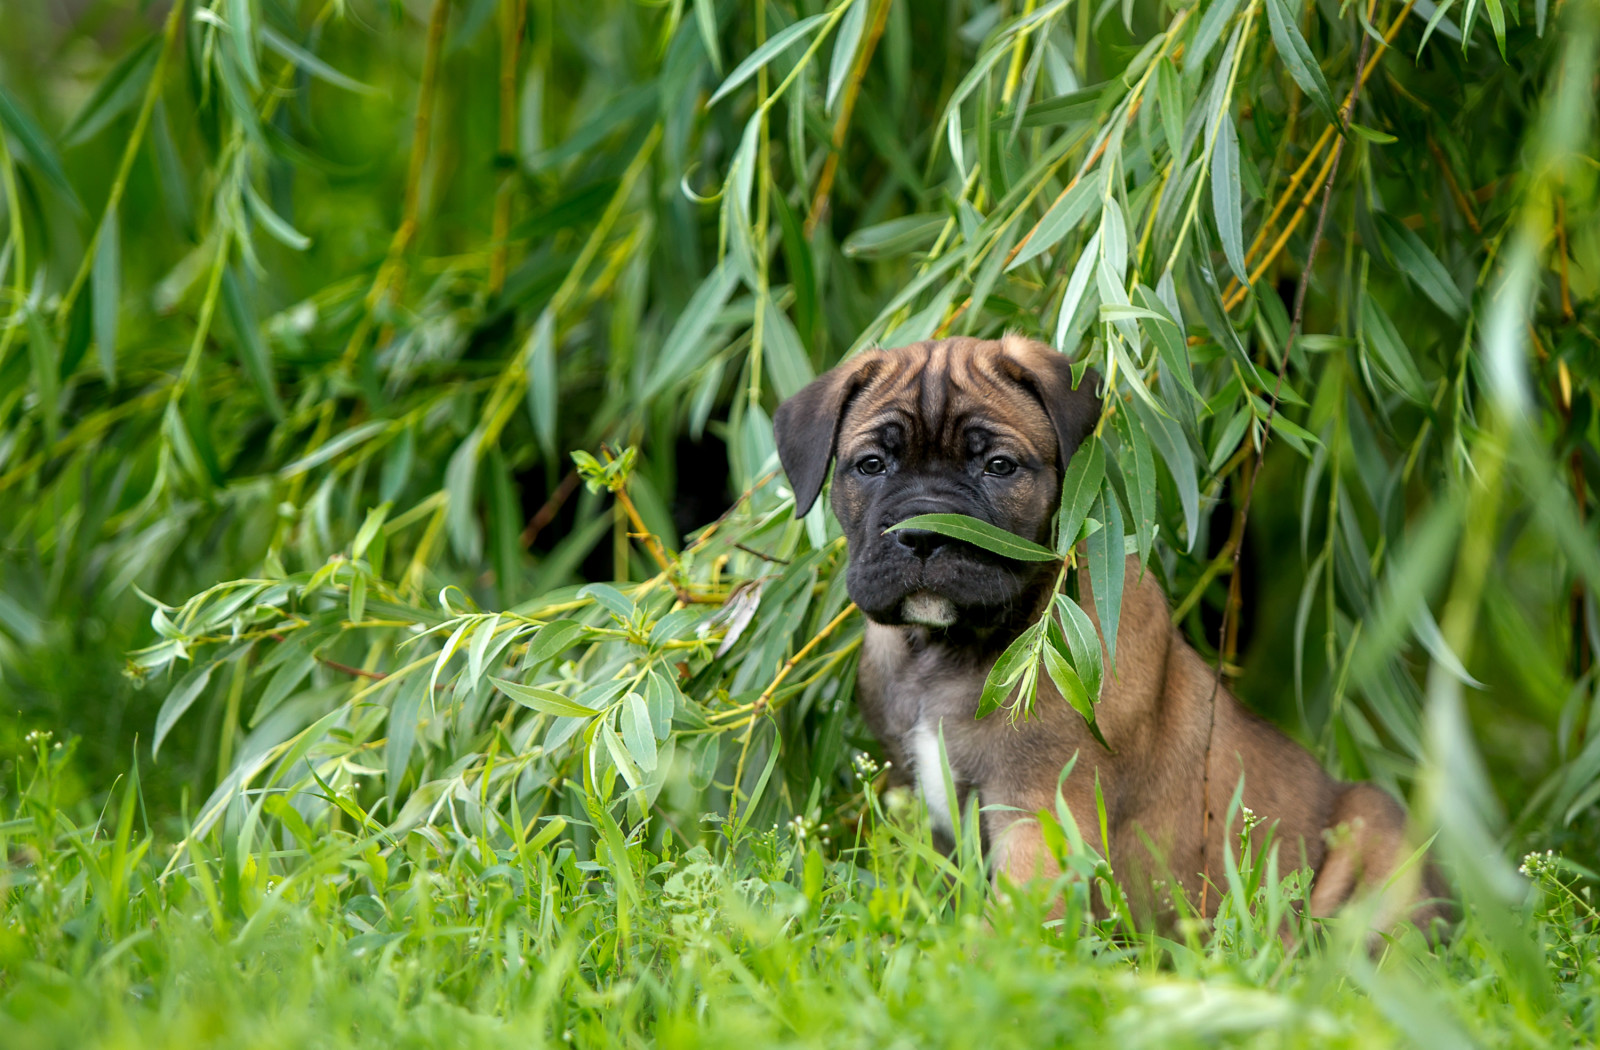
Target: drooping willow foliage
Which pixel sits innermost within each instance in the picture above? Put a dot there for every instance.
(307, 305)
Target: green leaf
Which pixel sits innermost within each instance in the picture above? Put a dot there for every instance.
(684, 348)
(1007, 670)
(116, 92)
(1423, 267)
(1169, 90)
(179, 700)
(1141, 474)
(845, 45)
(1084, 642)
(369, 529)
(15, 119)
(1066, 680)
(1372, 134)
(1379, 335)
(893, 238)
(1297, 56)
(339, 445)
(1225, 197)
(461, 514)
(254, 353)
(105, 288)
(1169, 440)
(276, 225)
(539, 698)
(638, 732)
(614, 601)
(242, 30)
(1107, 567)
(311, 63)
(541, 357)
(283, 682)
(46, 359)
(1079, 488)
(779, 42)
(553, 639)
(705, 13)
(1062, 218)
(1072, 108)
(979, 534)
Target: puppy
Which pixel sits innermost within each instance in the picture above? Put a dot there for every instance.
(986, 428)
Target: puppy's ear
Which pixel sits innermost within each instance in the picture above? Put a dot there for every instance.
(807, 427)
(1073, 411)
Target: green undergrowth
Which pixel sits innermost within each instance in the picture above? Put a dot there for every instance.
(804, 933)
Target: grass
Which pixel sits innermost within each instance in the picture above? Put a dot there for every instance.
(803, 934)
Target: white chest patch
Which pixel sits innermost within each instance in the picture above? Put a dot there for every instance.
(930, 610)
(930, 776)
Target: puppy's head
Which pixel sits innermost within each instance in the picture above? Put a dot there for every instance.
(964, 426)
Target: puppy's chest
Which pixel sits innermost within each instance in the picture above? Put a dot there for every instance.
(934, 704)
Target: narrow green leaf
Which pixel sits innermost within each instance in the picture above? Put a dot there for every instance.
(1169, 89)
(541, 358)
(1007, 670)
(683, 350)
(344, 442)
(705, 13)
(1084, 642)
(1079, 488)
(638, 732)
(461, 515)
(1297, 56)
(979, 534)
(893, 238)
(845, 46)
(553, 639)
(254, 353)
(242, 30)
(283, 682)
(541, 699)
(36, 146)
(369, 529)
(779, 42)
(1416, 261)
(1140, 470)
(1107, 567)
(46, 359)
(311, 63)
(179, 700)
(1066, 680)
(276, 225)
(358, 596)
(1379, 335)
(116, 92)
(1062, 218)
(1168, 438)
(1225, 197)
(105, 289)
(614, 601)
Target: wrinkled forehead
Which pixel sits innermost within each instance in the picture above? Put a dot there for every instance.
(936, 397)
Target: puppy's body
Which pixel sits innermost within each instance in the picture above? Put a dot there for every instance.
(985, 429)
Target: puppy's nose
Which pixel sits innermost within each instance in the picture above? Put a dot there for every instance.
(921, 542)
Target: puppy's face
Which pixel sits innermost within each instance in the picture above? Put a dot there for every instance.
(962, 426)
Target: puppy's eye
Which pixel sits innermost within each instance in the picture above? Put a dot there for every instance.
(1000, 466)
(871, 465)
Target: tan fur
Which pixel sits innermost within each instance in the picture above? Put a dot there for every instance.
(1156, 712)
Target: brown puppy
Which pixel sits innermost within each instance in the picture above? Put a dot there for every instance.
(986, 428)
